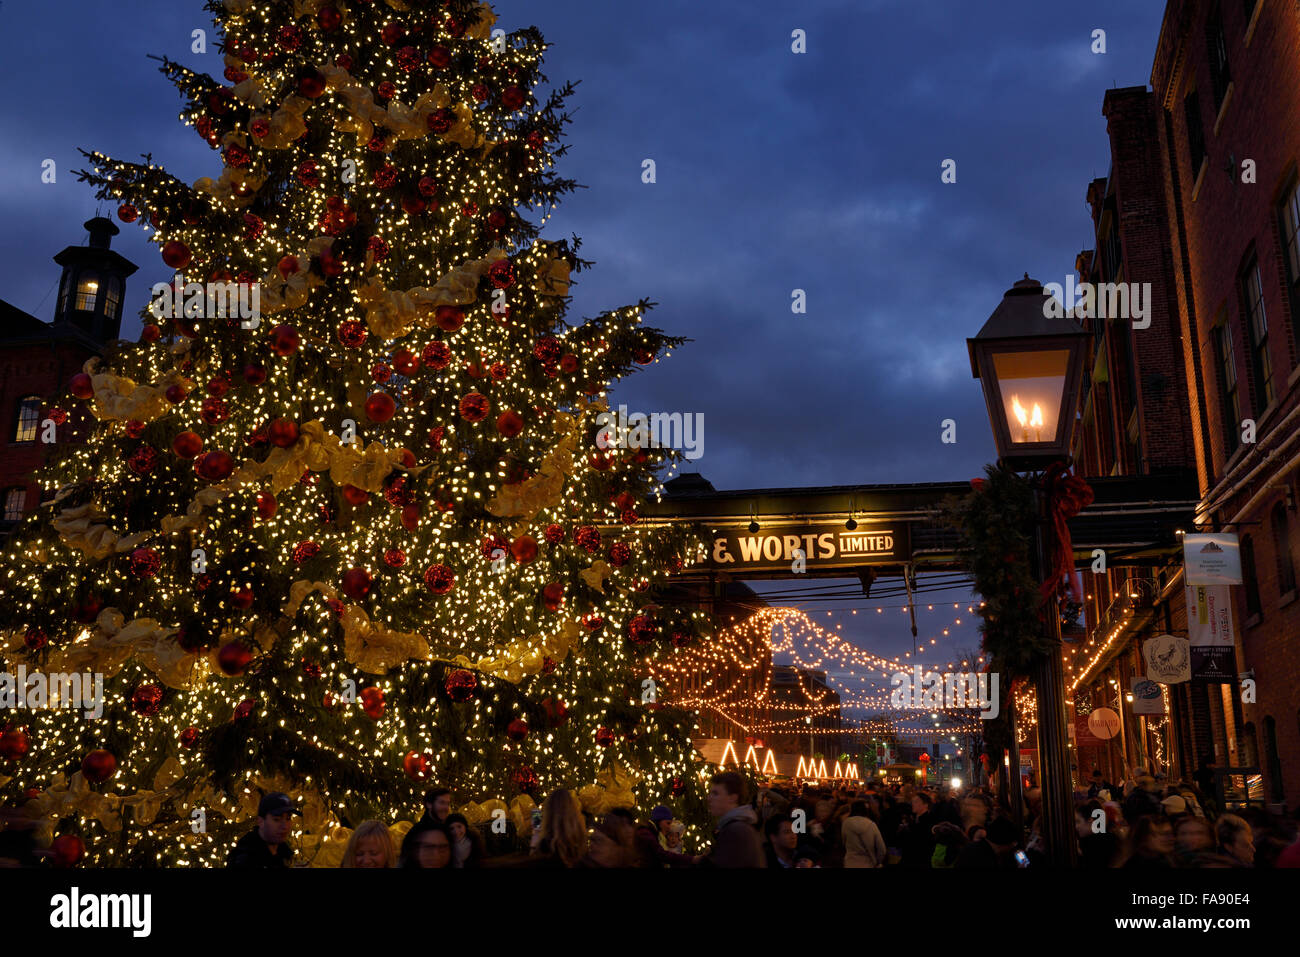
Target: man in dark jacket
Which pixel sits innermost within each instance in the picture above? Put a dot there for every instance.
(266, 845)
(437, 808)
(736, 842)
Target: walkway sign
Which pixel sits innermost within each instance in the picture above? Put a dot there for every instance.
(1212, 559)
(818, 546)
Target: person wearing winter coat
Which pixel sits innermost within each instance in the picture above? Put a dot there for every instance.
(736, 841)
(864, 846)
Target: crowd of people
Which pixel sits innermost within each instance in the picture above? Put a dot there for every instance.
(869, 824)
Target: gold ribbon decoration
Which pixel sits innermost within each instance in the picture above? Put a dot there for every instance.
(61, 800)
(375, 648)
(546, 489)
(119, 398)
(595, 576)
(392, 314)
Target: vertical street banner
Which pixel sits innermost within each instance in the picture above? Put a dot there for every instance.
(1212, 559)
(1210, 633)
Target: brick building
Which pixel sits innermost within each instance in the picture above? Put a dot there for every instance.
(37, 359)
(1136, 418)
(1201, 202)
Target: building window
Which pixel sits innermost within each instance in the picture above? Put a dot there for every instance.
(1220, 77)
(1274, 759)
(1249, 579)
(29, 417)
(1114, 253)
(1282, 546)
(1195, 132)
(15, 499)
(1289, 215)
(112, 295)
(1229, 400)
(65, 290)
(1252, 292)
(87, 292)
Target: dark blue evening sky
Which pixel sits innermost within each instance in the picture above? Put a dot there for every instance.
(776, 171)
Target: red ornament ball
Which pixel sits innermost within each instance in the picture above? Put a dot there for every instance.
(460, 685)
(355, 496)
(352, 333)
(143, 460)
(176, 254)
(14, 743)
(146, 699)
(381, 372)
(127, 213)
(394, 558)
(266, 504)
(510, 424)
(372, 702)
(557, 712)
(214, 466)
(190, 737)
(406, 362)
(214, 411)
(410, 517)
(150, 332)
(502, 274)
(284, 340)
(233, 658)
(436, 355)
(417, 766)
(604, 737)
(554, 533)
(35, 639)
(282, 433)
(642, 630)
(81, 386)
(548, 349)
(428, 187)
(553, 596)
(241, 598)
(329, 18)
(380, 407)
(439, 579)
(449, 318)
(593, 622)
(525, 778)
(145, 563)
(244, 709)
(524, 549)
(474, 407)
(357, 583)
(176, 393)
(620, 553)
(513, 98)
(305, 551)
(517, 730)
(67, 851)
(309, 175)
(480, 92)
(569, 362)
(98, 766)
(386, 90)
(588, 538)
(187, 445)
(440, 58)
(377, 248)
(254, 374)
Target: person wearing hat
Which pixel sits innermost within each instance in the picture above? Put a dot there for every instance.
(662, 818)
(267, 844)
(1174, 806)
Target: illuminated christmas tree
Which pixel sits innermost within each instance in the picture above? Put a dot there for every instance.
(343, 527)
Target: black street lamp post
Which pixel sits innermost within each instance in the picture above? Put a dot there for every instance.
(1030, 359)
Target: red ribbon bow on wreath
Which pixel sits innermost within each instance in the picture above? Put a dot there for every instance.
(1067, 495)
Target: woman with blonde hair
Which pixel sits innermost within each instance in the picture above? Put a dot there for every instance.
(562, 838)
(370, 846)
